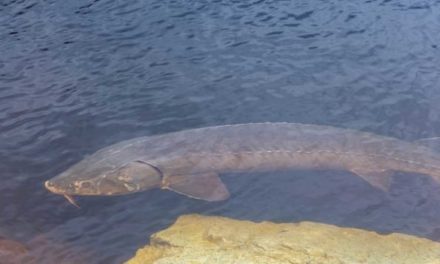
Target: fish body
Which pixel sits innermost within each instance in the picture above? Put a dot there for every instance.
(190, 161)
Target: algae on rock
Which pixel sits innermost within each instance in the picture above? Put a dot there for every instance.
(196, 239)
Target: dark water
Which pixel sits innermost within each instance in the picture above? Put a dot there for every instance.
(76, 76)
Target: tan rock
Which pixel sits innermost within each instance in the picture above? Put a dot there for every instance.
(196, 239)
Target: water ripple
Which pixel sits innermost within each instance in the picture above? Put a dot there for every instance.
(77, 76)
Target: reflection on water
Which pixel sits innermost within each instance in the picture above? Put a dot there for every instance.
(75, 77)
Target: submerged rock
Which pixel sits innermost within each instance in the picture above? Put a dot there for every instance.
(11, 251)
(199, 239)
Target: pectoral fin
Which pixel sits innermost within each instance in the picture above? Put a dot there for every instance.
(207, 186)
(380, 179)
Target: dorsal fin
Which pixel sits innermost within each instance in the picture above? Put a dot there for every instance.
(432, 143)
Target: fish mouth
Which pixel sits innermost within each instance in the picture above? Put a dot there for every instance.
(50, 186)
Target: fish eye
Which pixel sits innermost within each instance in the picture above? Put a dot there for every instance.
(85, 184)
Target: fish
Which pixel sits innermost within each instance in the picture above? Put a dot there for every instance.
(190, 161)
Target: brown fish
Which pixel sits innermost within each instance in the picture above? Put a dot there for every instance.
(189, 162)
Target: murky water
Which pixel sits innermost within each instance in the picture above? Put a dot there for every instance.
(76, 76)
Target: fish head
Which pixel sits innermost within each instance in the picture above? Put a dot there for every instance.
(105, 178)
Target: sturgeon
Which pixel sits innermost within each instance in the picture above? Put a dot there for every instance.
(190, 161)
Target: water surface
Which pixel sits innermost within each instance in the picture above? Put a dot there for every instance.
(77, 76)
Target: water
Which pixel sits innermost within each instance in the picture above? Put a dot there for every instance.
(77, 76)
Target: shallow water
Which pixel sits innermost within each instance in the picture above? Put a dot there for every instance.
(77, 76)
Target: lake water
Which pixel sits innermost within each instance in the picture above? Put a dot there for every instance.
(76, 76)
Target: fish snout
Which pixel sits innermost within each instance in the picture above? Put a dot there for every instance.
(50, 186)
